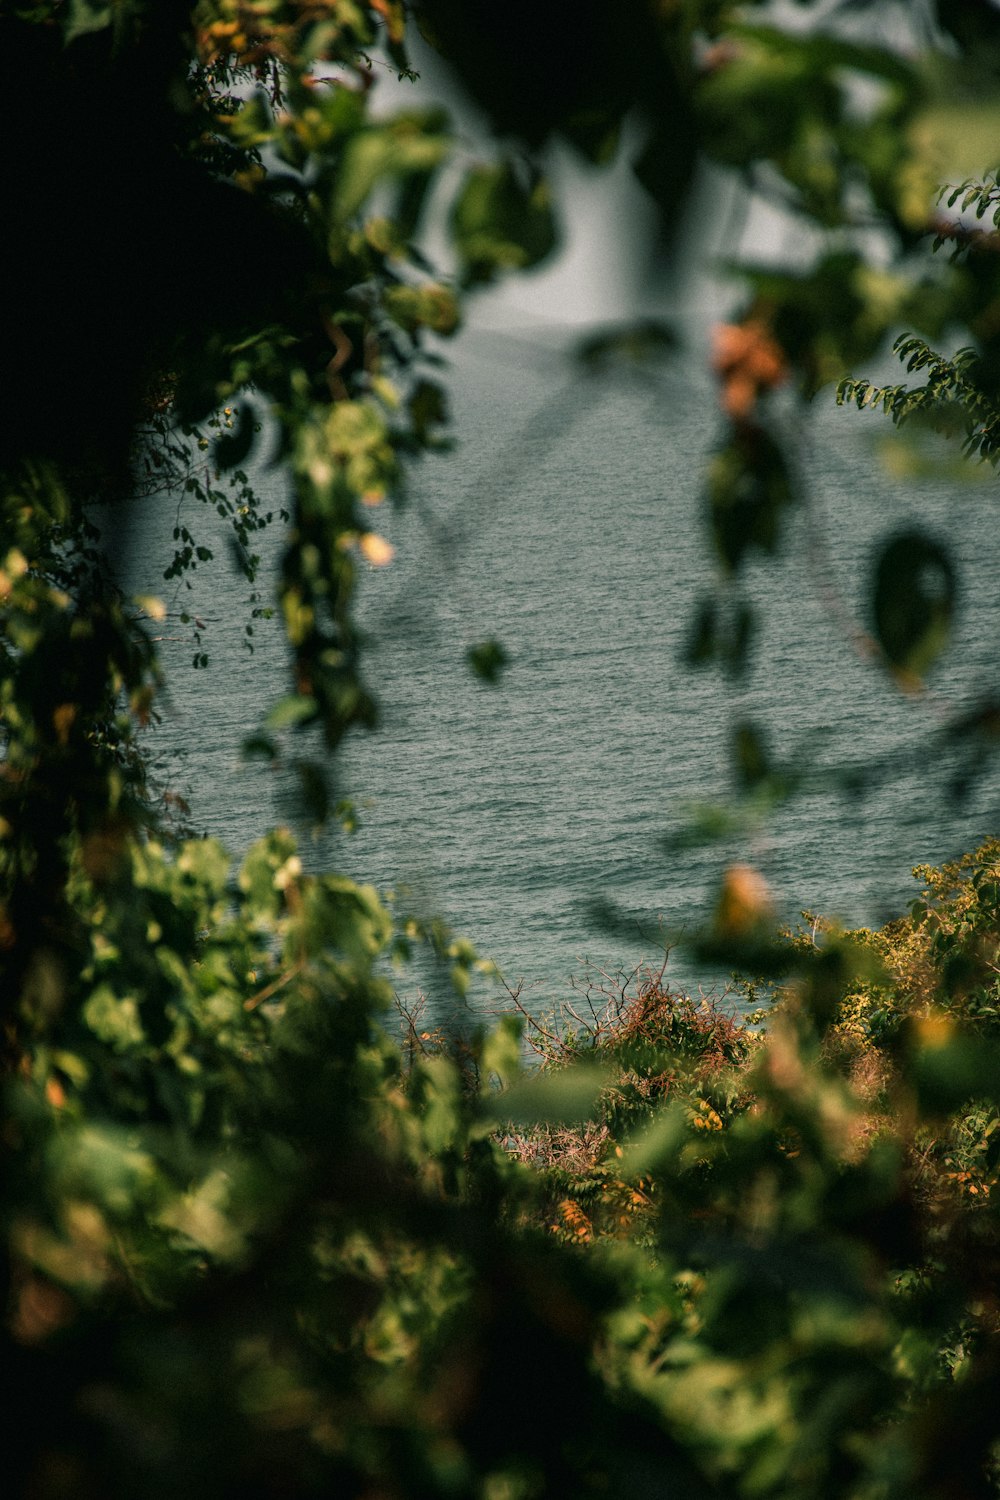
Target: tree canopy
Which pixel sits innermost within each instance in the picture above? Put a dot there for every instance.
(253, 1242)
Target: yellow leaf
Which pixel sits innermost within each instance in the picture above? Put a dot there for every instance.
(153, 607)
(376, 549)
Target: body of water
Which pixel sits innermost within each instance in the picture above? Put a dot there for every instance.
(569, 525)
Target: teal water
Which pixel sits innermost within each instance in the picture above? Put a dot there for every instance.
(568, 525)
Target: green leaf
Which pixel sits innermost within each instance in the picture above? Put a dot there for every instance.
(106, 1165)
(657, 1143)
(501, 1050)
(428, 408)
(314, 790)
(114, 1019)
(749, 489)
(297, 708)
(86, 16)
(206, 861)
(259, 747)
(502, 220)
(487, 660)
(410, 144)
(566, 1097)
(441, 1105)
(949, 1067)
(262, 874)
(914, 600)
(700, 646)
(750, 757)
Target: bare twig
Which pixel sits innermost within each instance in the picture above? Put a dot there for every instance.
(274, 986)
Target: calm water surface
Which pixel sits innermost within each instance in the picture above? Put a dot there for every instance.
(568, 525)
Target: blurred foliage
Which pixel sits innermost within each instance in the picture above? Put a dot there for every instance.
(253, 1243)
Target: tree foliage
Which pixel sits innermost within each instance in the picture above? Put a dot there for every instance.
(252, 1243)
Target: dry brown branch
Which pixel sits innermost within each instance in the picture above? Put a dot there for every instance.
(540, 1038)
(273, 987)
